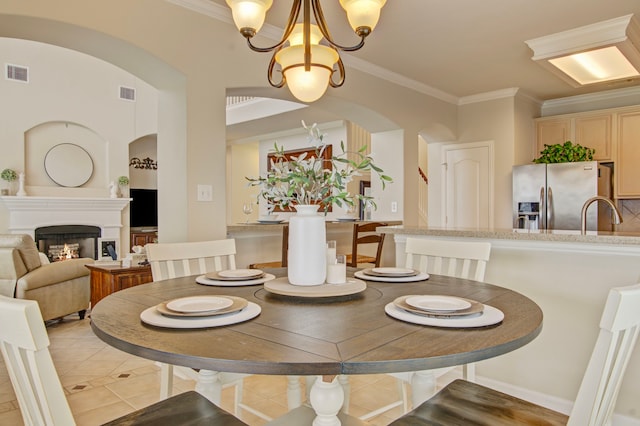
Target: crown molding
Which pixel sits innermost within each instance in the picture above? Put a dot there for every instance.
(591, 98)
(223, 13)
(511, 92)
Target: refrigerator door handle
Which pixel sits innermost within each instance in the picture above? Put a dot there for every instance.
(542, 209)
(549, 208)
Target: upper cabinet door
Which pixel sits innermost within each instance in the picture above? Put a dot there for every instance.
(595, 132)
(627, 171)
(551, 132)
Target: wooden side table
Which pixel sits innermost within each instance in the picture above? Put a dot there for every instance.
(109, 279)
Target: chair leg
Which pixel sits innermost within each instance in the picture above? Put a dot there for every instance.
(294, 392)
(166, 380)
(469, 372)
(82, 313)
(423, 386)
(346, 388)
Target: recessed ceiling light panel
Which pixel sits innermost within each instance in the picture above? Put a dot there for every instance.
(597, 53)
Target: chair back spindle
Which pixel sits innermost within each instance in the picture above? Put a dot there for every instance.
(174, 260)
(466, 259)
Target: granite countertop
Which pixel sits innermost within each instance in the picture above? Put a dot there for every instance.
(595, 237)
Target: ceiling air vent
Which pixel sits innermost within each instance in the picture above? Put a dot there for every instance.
(127, 93)
(17, 73)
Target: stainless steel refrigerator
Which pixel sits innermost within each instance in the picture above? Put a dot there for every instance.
(551, 196)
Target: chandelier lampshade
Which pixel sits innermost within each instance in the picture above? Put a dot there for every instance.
(362, 13)
(306, 57)
(307, 85)
(249, 15)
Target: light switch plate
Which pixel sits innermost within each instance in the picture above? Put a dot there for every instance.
(394, 207)
(205, 193)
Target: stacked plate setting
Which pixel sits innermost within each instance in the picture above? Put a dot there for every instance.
(391, 274)
(443, 311)
(437, 306)
(235, 277)
(201, 306)
(200, 312)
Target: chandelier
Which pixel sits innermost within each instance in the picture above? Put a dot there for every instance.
(307, 67)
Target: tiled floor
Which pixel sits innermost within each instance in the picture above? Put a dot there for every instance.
(103, 383)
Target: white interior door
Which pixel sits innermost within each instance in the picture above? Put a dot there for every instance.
(468, 183)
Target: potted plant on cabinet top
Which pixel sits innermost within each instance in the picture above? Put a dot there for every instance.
(565, 153)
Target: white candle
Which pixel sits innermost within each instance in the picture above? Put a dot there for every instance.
(337, 270)
(336, 273)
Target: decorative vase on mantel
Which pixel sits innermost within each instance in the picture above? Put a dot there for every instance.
(307, 253)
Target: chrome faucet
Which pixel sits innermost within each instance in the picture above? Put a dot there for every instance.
(617, 217)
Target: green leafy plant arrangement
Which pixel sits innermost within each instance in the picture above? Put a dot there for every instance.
(8, 175)
(565, 153)
(123, 181)
(304, 179)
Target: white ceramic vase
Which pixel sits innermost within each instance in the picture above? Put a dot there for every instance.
(307, 253)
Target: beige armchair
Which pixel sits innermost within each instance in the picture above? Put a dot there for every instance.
(60, 288)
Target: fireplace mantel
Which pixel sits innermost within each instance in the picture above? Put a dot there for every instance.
(28, 213)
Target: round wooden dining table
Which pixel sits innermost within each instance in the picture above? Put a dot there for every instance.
(317, 336)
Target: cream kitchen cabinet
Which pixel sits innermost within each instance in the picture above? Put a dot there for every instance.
(590, 130)
(551, 131)
(627, 166)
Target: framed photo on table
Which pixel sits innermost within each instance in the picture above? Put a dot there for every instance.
(108, 248)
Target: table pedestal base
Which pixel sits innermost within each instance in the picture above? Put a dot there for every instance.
(326, 399)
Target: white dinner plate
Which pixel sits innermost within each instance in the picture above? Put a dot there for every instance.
(240, 273)
(419, 277)
(199, 304)
(346, 219)
(151, 316)
(437, 303)
(393, 271)
(270, 222)
(489, 316)
(202, 279)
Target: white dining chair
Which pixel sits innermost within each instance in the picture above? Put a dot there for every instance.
(463, 402)
(461, 259)
(25, 348)
(175, 260)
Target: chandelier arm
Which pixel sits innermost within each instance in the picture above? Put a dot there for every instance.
(270, 71)
(341, 72)
(291, 23)
(322, 24)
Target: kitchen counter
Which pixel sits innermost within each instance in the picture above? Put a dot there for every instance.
(595, 237)
(569, 276)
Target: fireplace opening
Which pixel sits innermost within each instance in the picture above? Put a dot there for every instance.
(62, 242)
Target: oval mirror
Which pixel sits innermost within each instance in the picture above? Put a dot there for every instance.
(68, 165)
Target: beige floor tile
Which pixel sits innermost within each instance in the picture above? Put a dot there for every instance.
(91, 399)
(102, 414)
(7, 406)
(11, 418)
(135, 386)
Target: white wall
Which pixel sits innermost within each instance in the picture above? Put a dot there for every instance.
(387, 151)
(70, 98)
(243, 161)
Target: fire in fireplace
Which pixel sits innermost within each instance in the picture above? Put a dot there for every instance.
(62, 242)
